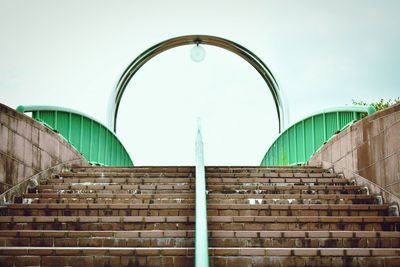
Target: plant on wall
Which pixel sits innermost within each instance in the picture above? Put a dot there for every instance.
(378, 105)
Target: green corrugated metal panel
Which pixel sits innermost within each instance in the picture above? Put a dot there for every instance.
(309, 137)
(102, 140)
(63, 125)
(95, 144)
(95, 141)
(299, 142)
(319, 131)
(292, 142)
(86, 138)
(331, 124)
(76, 132)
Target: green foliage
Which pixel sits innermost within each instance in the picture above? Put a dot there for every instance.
(378, 105)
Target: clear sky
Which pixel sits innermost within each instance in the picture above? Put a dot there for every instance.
(323, 53)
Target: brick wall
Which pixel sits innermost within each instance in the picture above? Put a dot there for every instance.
(370, 147)
(27, 147)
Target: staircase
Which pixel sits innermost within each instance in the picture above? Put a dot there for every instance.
(296, 216)
(144, 216)
(95, 216)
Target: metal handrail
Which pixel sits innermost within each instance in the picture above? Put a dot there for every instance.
(9, 185)
(201, 232)
(389, 196)
(19, 189)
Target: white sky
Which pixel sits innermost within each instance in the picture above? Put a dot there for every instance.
(323, 54)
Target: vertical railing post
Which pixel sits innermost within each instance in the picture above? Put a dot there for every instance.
(201, 232)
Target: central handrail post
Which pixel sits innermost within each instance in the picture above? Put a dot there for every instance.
(201, 232)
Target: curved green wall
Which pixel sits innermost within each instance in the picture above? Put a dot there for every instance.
(300, 141)
(91, 138)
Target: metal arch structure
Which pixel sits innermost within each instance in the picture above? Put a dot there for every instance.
(239, 50)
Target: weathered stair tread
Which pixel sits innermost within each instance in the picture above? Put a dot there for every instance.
(96, 219)
(190, 233)
(70, 251)
(185, 238)
(210, 206)
(336, 252)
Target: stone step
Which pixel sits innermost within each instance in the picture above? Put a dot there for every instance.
(256, 190)
(299, 239)
(131, 175)
(115, 201)
(251, 200)
(285, 189)
(271, 175)
(266, 223)
(210, 181)
(46, 238)
(265, 169)
(296, 210)
(225, 189)
(98, 187)
(304, 223)
(187, 175)
(97, 223)
(109, 198)
(128, 189)
(83, 209)
(56, 195)
(295, 239)
(209, 169)
(133, 169)
(88, 257)
(120, 180)
(96, 257)
(304, 257)
(237, 198)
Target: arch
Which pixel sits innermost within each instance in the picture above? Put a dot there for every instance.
(239, 50)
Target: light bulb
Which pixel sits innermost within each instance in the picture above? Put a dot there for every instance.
(197, 54)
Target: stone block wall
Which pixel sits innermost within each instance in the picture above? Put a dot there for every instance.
(370, 148)
(27, 147)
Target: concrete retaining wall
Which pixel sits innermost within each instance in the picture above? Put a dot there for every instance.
(370, 148)
(27, 147)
